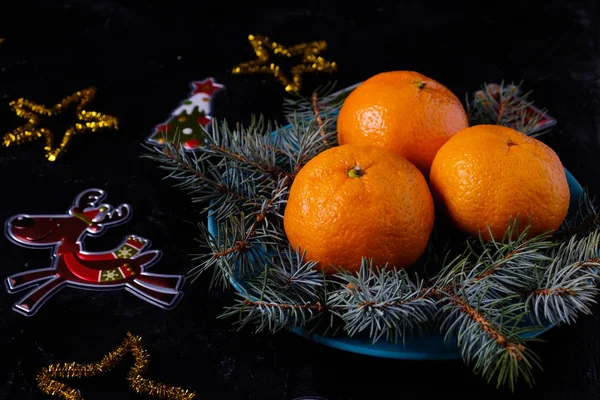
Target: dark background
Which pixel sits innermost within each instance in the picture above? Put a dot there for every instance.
(141, 55)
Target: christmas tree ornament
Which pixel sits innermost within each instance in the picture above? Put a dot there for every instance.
(189, 121)
(312, 61)
(46, 378)
(124, 267)
(34, 129)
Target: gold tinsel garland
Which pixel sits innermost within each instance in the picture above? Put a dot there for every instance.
(312, 61)
(87, 121)
(47, 382)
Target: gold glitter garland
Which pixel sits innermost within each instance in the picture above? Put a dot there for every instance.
(1, 40)
(311, 61)
(87, 121)
(131, 344)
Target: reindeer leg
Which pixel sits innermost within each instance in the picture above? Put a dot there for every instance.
(33, 300)
(158, 298)
(25, 279)
(161, 283)
(147, 258)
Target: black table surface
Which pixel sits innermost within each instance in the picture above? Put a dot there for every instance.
(141, 56)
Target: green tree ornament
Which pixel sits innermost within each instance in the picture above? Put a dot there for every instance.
(187, 123)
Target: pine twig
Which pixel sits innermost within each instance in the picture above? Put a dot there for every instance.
(383, 302)
(190, 167)
(302, 108)
(205, 180)
(498, 268)
(504, 105)
(481, 305)
(229, 253)
(242, 242)
(282, 295)
(567, 287)
(318, 307)
(290, 271)
(488, 334)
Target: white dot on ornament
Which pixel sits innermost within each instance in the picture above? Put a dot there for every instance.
(187, 131)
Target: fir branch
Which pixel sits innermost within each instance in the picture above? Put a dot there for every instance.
(288, 292)
(248, 148)
(382, 302)
(243, 242)
(481, 305)
(489, 334)
(273, 314)
(329, 104)
(204, 179)
(567, 288)
(498, 268)
(272, 301)
(306, 139)
(482, 298)
(233, 253)
(262, 208)
(270, 155)
(290, 271)
(504, 106)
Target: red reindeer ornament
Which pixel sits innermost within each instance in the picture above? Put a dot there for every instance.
(121, 268)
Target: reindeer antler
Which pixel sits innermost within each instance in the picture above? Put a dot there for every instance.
(114, 216)
(97, 215)
(89, 198)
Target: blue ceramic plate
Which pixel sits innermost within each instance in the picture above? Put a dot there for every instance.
(427, 347)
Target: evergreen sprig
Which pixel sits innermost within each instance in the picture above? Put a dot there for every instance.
(504, 105)
(491, 297)
(383, 302)
(489, 332)
(272, 307)
(499, 267)
(207, 181)
(567, 286)
(324, 104)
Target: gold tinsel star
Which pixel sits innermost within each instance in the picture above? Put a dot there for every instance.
(86, 121)
(131, 344)
(311, 61)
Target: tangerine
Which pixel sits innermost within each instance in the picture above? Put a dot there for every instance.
(402, 111)
(350, 202)
(487, 174)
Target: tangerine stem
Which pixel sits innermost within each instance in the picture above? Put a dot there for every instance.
(356, 172)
